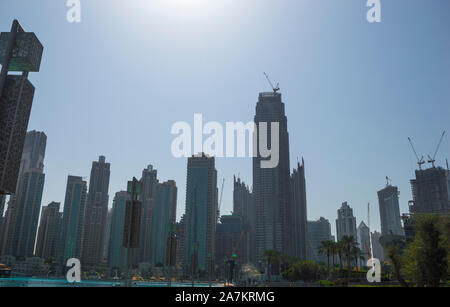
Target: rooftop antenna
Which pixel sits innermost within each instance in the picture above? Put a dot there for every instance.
(275, 89)
(432, 160)
(446, 161)
(420, 161)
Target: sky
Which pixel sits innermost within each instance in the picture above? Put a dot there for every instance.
(115, 83)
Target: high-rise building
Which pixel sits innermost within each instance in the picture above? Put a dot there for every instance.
(364, 242)
(164, 215)
(2, 204)
(431, 191)
(147, 196)
(181, 237)
(70, 242)
(318, 231)
(346, 222)
(377, 249)
(117, 254)
(48, 232)
(20, 51)
(201, 211)
(271, 185)
(231, 240)
(243, 206)
(390, 211)
(96, 212)
(107, 234)
(299, 213)
(25, 205)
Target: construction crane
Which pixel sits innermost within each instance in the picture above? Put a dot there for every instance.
(388, 181)
(220, 199)
(275, 89)
(432, 160)
(420, 161)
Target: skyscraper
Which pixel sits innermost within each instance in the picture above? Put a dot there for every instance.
(346, 222)
(96, 212)
(70, 242)
(244, 207)
(299, 213)
(318, 231)
(20, 51)
(201, 211)
(25, 205)
(364, 242)
(48, 233)
(390, 211)
(107, 234)
(147, 196)
(431, 191)
(271, 185)
(117, 254)
(163, 218)
(377, 249)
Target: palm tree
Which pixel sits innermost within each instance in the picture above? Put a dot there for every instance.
(326, 247)
(349, 243)
(340, 251)
(357, 254)
(334, 247)
(271, 256)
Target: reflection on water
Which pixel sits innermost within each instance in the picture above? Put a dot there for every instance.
(42, 282)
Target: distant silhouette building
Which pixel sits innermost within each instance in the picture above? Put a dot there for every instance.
(346, 222)
(24, 206)
(96, 212)
(364, 243)
(318, 231)
(117, 254)
(299, 213)
(181, 238)
(48, 232)
(390, 211)
(271, 185)
(231, 239)
(164, 217)
(243, 206)
(378, 250)
(107, 234)
(431, 191)
(201, 211)
(70, 242)
(147, 196)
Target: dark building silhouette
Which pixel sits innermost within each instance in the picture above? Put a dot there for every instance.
(20, 51)
(21, 222)
(390, 211)
(431, 191)
(48, 232)
(271, 185)
(96, 213)
(201, 214)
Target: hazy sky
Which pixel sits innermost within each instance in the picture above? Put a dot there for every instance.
(116, 82)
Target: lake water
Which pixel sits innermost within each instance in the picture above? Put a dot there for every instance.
(44, 282)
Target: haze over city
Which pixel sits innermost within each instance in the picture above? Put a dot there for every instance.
(115, 83)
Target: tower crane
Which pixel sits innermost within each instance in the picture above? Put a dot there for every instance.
(433, 159)
(275, 89)
(420, 161)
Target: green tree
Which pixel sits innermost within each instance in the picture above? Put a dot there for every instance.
(326, 247)
(271, 257)
(302, 270)
(393, 253)
(427, 256)
(348, 243)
